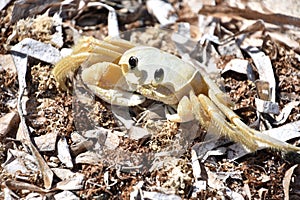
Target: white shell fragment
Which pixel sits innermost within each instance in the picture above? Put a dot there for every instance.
(37, 50)
(35, 196)
(21, 61)
(287, 180)
(57, 37)
(99, 133)
(64, 152)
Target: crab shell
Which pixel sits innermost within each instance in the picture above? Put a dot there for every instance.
(159, 75)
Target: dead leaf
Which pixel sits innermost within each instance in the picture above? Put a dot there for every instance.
(46, 142)
(9, 124)
(64, 152)
(162, 10)
(237, 13)
(265, 70)
(4, 3)
(66, 195)
(286, 181)
(37, 50)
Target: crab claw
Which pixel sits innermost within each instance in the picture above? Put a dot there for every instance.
(106, 80)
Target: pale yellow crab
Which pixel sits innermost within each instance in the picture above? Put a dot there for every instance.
(115, 68)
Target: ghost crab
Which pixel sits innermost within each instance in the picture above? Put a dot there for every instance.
(122, 73)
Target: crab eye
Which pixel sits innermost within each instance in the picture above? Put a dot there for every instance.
(133, 61)
(159, 75)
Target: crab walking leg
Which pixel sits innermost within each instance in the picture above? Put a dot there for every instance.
(265, 140)
(124, 45)
(90, 51)
(209, 115)
(216, 95)
(90, 44)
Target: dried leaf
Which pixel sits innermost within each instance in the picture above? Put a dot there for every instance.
(21, 66)
(137, 133)
(113, 27)
(286, 181)
(157, 195)
(74, 182)
(266, 106)
(199, 184)
(66, 195)
(9, 124)
(285, 132)
(265, 69)
(112, 141)
(25, 8)
(19, 161)
(43, 167)
(283, 116)
(240, 66)
(237, 13)
(162, 10)
(88, 157)
(18, 185)
(4, 3)
(37, 50)
(79, 143)
(64, 152)
(46, 142)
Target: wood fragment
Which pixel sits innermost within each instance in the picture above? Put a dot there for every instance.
(222, 11)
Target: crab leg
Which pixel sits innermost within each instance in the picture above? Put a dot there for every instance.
(89, 51)
(106, 80)
(243, 133)
(209, 115)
